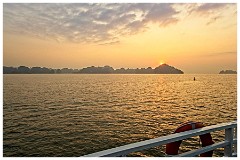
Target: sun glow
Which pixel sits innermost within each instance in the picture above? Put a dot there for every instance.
(162, 62)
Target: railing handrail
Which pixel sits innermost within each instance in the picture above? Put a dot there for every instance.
(138, 146)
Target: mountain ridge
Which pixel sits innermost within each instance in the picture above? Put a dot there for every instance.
(161, 69)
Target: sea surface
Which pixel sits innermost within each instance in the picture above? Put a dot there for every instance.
(74, 114)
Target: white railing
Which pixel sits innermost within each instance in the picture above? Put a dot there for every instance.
(229, 144)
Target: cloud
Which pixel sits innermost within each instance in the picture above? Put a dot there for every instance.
(102, 23)
(163, 16)
(84, 23)
(210, 7)
(221, 53)
(213, 19)
(213, 11)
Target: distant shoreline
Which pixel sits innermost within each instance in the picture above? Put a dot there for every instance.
(162, 69)
(228, 72)
(113, 74)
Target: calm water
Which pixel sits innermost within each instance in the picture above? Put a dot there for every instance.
(73, 115)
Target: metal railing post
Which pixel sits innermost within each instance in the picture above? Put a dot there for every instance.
(123, 155)
(235, 145)
(229, 138)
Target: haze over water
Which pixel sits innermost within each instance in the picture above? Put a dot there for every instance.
(74, 115)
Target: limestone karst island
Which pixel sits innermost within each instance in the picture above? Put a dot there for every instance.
(228, 72)
(162, 69)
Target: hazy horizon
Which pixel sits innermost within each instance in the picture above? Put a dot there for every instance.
(196, 38)
(112, 67)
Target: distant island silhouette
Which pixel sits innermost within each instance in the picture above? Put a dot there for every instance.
(162, 69)
(228, 72)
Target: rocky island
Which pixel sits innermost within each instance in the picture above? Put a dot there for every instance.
(228, 72)
(162, 69)
(166, 69)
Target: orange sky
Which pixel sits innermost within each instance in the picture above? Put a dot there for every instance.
(196, 38)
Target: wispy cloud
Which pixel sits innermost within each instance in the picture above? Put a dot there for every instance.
(211, 10)
(208, 8)
(221, 54)
(84, 23)
(213, 19)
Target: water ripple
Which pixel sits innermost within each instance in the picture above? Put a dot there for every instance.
(73, 115)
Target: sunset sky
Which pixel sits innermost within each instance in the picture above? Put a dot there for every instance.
(196, 38)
